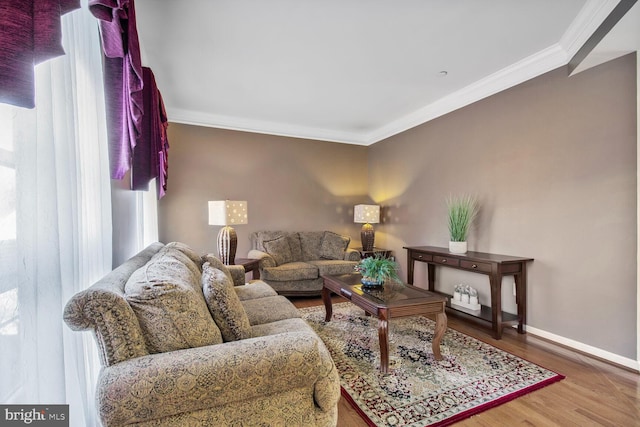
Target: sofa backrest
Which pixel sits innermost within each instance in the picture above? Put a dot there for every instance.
(303, 245)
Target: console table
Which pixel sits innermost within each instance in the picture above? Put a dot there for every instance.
(492, 265)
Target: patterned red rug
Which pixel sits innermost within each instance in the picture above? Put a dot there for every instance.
(418, 390)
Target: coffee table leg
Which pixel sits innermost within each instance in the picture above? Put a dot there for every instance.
(441, 327)
(383, 338)
(328, 308)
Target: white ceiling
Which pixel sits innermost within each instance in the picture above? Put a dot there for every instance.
(354, 71)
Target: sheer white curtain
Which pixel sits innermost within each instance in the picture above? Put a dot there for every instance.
(55, 225)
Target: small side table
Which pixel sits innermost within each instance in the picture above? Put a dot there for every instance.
(384, 253)
(249, 264)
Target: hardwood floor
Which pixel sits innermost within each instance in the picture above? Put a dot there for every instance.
(594, 393)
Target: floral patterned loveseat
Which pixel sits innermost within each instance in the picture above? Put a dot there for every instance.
(180, 345)
(292, 262)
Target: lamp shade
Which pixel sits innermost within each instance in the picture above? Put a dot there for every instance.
(366, 214)
(228, 212)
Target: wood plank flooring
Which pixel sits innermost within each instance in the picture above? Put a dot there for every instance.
(594, 392)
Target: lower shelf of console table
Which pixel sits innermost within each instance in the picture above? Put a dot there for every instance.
(481, 317)
(492, 265)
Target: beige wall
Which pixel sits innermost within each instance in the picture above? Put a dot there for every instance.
(553, 162)
(290, 184)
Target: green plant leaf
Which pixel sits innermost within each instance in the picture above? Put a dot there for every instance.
(461, 211)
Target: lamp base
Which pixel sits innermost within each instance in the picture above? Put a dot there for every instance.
(367, 236)
(227, 245)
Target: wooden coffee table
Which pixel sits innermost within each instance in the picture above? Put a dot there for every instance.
(393, 300)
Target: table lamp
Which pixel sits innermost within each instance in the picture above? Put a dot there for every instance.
(227, 213)
(367, 215)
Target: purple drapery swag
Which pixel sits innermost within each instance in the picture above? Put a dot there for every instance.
(30, 33)
(150, 154)
(136, 118)
(123, 79)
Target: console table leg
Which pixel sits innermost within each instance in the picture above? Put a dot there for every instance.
(431, 275)
(521, 298)
(495, 281)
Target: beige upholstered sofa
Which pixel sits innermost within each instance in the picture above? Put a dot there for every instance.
(293, 262)
(182, 346)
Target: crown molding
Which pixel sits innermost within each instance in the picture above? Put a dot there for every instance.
(197, 118)
(592, 15)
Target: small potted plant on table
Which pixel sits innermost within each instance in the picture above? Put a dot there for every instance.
(376, 270)
(461, 210)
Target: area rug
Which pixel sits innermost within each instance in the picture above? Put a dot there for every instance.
(419, 390)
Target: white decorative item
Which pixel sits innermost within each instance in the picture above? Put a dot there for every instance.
(366, 215)
(466, 297)
(227, 213)
(458, 247)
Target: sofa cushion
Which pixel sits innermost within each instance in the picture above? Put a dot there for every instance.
(327, 267)
(193, 255)
(290, 271)
(279, 249)
(215, 262)
(310, 244)
(174, 254)
(280, 327)
(254, 290)
(224, 304)
(333, 245)
(294, 244)
(171, 311)
(269, 309)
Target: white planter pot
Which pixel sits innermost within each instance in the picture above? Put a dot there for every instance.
(458, 247)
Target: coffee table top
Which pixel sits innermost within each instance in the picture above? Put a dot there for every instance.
(392, 294)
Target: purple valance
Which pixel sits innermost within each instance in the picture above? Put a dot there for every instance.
(30, 33)
(123, 79)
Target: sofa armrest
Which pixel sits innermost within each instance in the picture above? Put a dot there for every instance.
(160, 385)
(238, 274)
(351, 255)
(266, 260)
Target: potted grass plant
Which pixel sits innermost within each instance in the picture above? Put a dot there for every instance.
(376, 270)
(461, 211)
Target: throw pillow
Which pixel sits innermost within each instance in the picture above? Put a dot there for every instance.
(333, 245)
(172, 312)
(279, 249)
(215, 262)
(224, 304)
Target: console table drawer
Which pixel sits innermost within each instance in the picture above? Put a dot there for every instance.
(445, 260)
(421, 257)
(476, 266)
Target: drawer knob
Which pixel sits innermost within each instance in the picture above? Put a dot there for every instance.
(419, 256)
(444, 260)
(474, 266)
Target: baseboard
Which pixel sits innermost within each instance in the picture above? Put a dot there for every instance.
(634, 365)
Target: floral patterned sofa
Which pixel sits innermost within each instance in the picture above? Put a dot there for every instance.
(180, 345)
(293, 262)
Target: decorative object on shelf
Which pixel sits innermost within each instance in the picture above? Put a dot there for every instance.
(376, 270)
(461, 211)
(366, 215)
(466, 296)
(227, 213)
